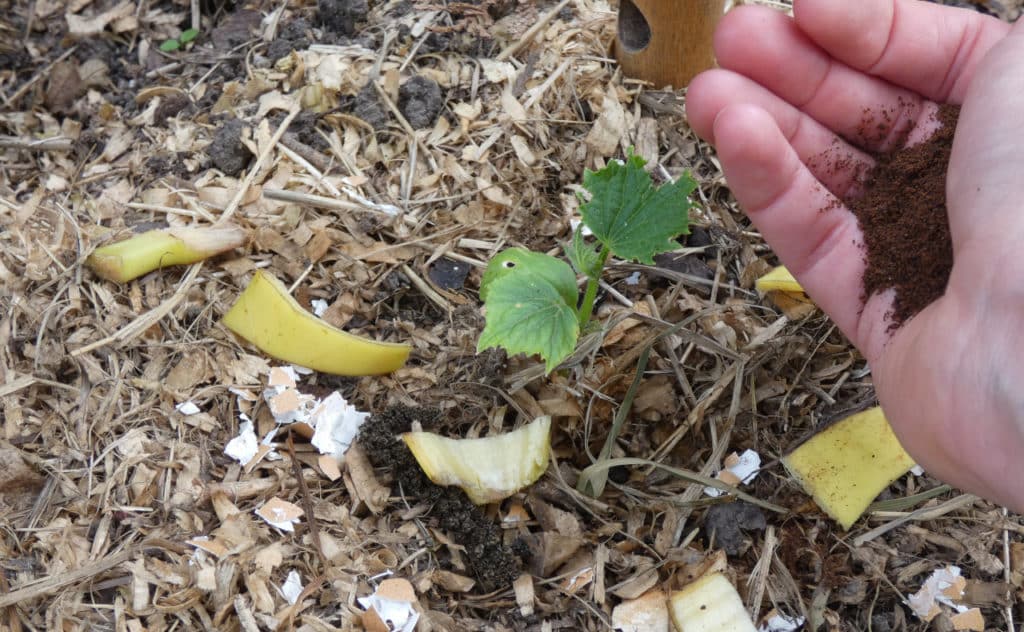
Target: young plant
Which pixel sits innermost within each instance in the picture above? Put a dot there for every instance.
(532, 302)
(171, 45)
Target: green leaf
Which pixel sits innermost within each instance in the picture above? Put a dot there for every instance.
(520, 262)
(635, 219)
(188, 35)
(170, 46)
(531, 306)
(585, 258)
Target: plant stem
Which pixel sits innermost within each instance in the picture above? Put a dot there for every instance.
(587, 308)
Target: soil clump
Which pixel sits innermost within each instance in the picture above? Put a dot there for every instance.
(902, 213)
(492, 561)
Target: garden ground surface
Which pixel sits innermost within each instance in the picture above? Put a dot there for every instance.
(378, 155)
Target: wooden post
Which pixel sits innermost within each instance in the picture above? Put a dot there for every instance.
(666, 42)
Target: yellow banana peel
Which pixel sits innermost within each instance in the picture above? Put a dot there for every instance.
(845, 466)
(143, 253)
(488, 469)
(267, 316)
(710, 604)
(778, 280)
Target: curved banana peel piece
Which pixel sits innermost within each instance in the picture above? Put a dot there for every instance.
(786, 293)
(778, 280)
(143, 253)
(268, 317)
(845, 466)
(710, 604)
(487, 469)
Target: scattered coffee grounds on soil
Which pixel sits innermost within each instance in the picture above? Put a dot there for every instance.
(492, 561)
(905, 224)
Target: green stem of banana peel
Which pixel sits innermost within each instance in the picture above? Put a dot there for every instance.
(587, 308)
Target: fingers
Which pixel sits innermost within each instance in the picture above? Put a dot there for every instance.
(770, 48)
(927, 48)
(984, 181)
(835, 163)
(808, 227)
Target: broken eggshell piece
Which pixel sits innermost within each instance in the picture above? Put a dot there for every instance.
(390, 607)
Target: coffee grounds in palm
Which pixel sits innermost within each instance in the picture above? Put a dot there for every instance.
(902, 213)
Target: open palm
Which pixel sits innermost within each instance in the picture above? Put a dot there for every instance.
(951, 379)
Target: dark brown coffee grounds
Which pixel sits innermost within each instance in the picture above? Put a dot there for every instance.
(902, 213)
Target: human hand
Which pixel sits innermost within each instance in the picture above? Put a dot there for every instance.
(951, 379)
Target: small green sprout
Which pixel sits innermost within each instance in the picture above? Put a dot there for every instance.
(171, 45)
(531, 298)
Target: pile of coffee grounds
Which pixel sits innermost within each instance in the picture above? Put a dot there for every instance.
(902, 213)
(494, 564)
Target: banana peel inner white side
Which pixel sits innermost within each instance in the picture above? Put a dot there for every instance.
(488, 469)
(845, 466)
(709, 604)
(143, 253)
(266, 315)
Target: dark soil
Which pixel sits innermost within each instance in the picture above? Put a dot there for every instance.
(494, 564)
(227, 152)
(728, 523)
(367, 106)
(420, 101)
(448, 273)
(906, 227)
(342, 16)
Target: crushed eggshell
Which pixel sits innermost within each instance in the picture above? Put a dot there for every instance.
(243, 447)
(646, 613)
(187, 408)
(287, 404)
(319, 307)
(776, 622)
(943, 586)
(282, 377)
(292, 587)
(392, 603)
(330, 423)
(739, 468)
(969, 620)
(336, 424)
(280, 513)
(575, 223)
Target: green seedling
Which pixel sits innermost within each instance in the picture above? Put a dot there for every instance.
(171, 45)
(532, 303)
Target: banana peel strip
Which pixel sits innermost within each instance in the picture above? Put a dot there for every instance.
(710, 604)
(143, 253)
(488, 469)
(779, 280)
(848, 464)
(266, 315)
